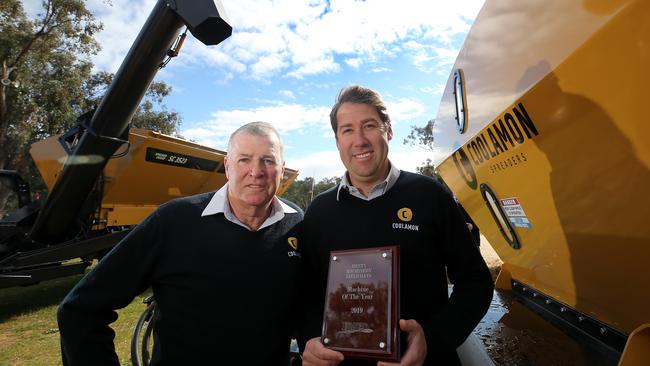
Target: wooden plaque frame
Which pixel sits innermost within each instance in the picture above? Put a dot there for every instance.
(361, 316)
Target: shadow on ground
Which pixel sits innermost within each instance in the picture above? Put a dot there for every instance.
(20, 300)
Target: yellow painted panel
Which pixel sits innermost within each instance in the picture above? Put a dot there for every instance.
(581, 174)
(134, 184)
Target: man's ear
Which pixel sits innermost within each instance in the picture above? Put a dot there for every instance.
(389, 132)
(225, 166)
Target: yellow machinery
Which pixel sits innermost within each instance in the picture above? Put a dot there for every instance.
(147, 170)
(544, 130)
(153, 169)
(103, 177)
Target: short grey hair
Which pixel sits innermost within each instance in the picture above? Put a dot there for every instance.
(258, 128)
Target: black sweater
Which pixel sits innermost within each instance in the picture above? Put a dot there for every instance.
(434, 244)
(225, 294)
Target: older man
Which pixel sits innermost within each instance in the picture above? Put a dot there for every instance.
(223, 266)
(371, 208)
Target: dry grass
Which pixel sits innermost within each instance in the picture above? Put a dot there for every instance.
(28, 331)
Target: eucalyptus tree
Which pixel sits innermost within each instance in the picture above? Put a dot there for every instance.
(47, 81)
(44, 62)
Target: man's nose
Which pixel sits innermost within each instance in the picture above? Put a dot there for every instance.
(257, 169)
(359, 138)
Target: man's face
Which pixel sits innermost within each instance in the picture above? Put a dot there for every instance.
(254, 169)
(362, 140)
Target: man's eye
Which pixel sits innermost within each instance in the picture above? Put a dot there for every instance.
(345, 131)
(269, 162)
(371, 126)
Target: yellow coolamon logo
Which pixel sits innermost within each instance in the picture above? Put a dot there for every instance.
(405, 214)
(293, 242)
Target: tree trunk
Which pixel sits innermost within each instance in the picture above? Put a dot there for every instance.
(4, 194)
(6, 71)
(4, 191)
(4, 197)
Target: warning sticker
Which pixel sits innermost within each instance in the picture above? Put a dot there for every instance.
(515, 212)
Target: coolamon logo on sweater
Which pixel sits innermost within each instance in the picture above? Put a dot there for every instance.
(293, 242)
(405, 214)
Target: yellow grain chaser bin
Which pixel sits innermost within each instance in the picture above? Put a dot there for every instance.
(143, 173)
(148, 171)
(544, 128)
(103, 177)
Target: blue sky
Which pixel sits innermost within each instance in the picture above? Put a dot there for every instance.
(287, 59)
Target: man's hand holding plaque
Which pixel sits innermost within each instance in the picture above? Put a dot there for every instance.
(362, 304)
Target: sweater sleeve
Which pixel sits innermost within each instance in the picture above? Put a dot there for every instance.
(86, 312)
(472, 283)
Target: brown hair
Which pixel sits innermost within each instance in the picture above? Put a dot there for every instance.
(361, 95)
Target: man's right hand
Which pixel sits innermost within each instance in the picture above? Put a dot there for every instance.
(316, 354)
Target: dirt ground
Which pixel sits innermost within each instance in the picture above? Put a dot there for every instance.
(491, 257)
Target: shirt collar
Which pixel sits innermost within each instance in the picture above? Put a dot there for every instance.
(220, 204)
(377, 191)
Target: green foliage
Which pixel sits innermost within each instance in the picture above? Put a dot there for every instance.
(302, 192)
(427, 168)
(423, 137)
(152, 113)
(44, 62)
(47, 82)
(164, 121)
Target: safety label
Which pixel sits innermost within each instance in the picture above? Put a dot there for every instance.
(512, 208)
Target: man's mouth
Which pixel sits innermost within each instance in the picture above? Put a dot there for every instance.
(362, 155)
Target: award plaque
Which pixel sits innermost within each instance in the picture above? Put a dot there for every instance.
(362, 304)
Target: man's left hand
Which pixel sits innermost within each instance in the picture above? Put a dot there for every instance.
(416, 351)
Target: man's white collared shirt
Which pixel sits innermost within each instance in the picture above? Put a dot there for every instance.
(220, 204)
(378, 190)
